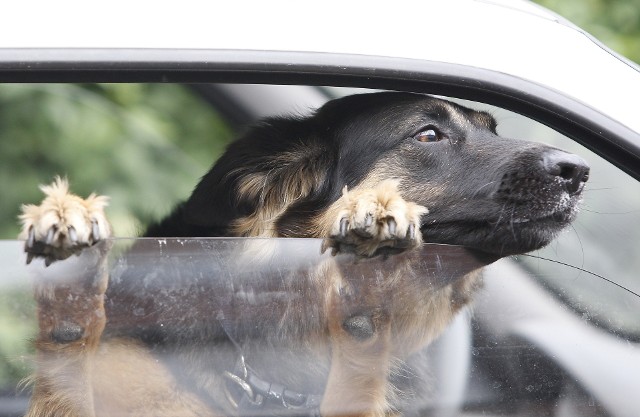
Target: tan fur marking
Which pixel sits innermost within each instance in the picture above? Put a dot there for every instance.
(131, 382)
(292, 177)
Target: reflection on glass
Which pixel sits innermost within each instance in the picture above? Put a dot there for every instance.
(250, 326)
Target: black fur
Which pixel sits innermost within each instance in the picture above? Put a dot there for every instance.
(497, 195)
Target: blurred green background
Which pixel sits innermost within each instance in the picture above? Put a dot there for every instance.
(616, 23)
(110, 139)
(107, 138)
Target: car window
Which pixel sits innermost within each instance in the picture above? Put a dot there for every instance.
(539, 318)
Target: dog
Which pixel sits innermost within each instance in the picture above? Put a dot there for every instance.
(374, 176)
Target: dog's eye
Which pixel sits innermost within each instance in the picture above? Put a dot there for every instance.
(430, 134)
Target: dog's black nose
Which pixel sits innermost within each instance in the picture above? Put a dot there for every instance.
(572, 170)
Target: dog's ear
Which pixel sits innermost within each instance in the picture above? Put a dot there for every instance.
(275, 164)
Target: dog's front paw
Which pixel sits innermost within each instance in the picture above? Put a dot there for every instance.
(63, 224)
(375, 221)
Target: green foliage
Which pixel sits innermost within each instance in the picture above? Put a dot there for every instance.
(17, 327)
(108, 138)
(616, 23)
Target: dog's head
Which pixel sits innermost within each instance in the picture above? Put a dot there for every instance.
(498, 195)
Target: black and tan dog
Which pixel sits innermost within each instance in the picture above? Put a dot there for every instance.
(359, 173)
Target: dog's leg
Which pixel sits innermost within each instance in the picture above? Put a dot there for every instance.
(69, 295)
(360, 350)
(367, 222)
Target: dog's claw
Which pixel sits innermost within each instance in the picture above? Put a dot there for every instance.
(67, 333)
(50, 235)
(368, 220)
(326, 244)
(360, 327)
(411, 233)
(31, 239)
(344, 223)
(30, 257)
(73, 235)
(392, 226)
(95, 231)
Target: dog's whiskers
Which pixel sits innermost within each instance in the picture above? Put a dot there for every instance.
(495, 228)
(484, 186)
(585, 271)
(511, 224)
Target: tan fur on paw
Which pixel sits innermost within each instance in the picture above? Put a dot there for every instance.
(63, 223)
(374, 221)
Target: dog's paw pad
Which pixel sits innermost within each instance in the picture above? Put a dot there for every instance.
(67, 332)
(360, 327)
(375, 221)
(63, 223)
